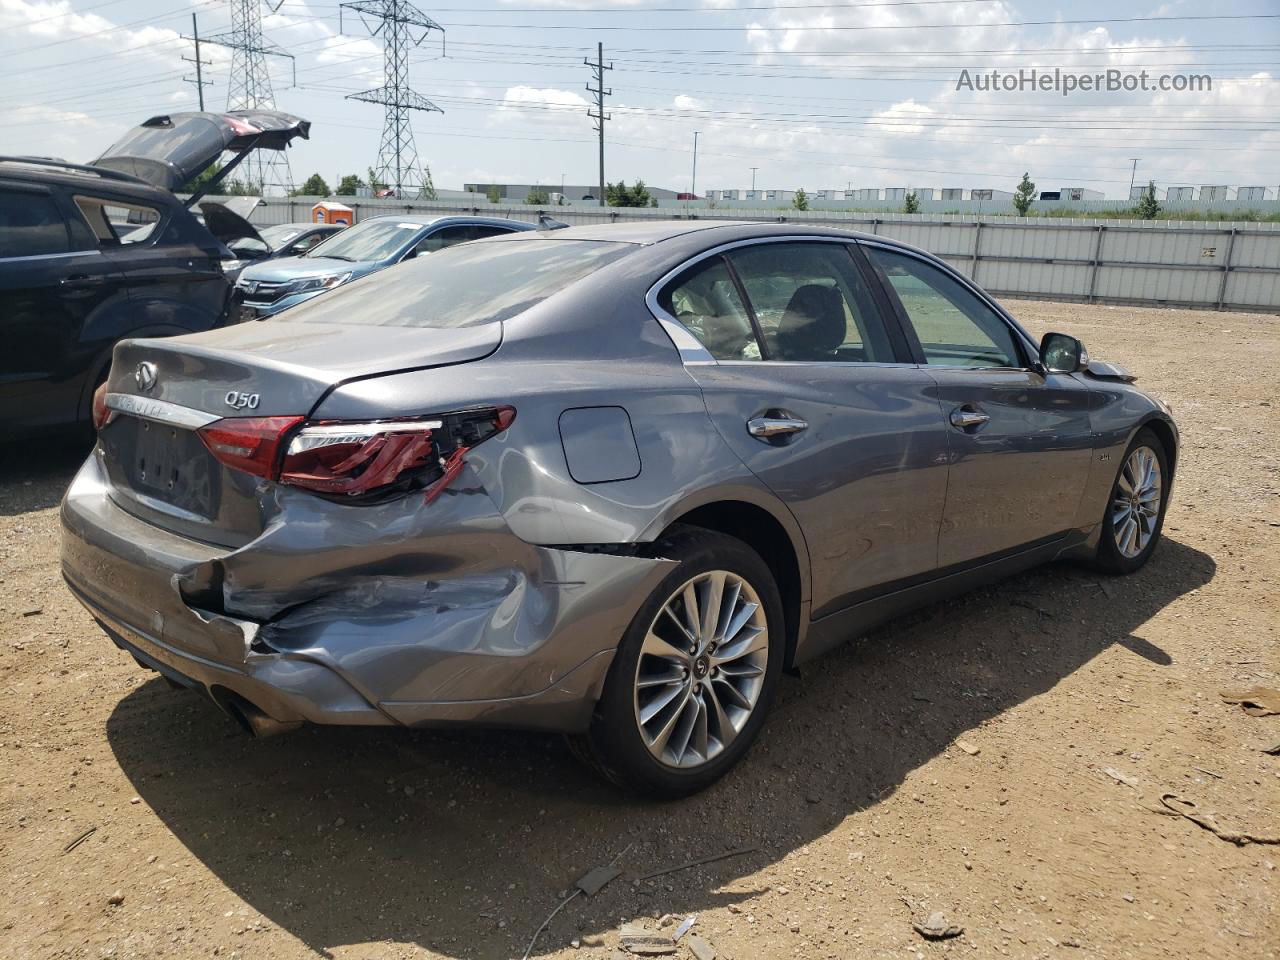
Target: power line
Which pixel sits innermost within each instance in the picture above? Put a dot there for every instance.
(843, 28)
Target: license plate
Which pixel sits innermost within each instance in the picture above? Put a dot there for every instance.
(172, 464)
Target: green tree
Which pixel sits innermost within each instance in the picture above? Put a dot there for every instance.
(1025, 195)
(538, 197)
(227, 188)
(1148, 208)
(349, 185)
(493, 194)
(911, 203)
(620, 195)
(801, 200)
(313, 186)
(374, 183)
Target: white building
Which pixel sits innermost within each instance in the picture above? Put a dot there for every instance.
(952, 193)
(988, 195)
(1081, 193)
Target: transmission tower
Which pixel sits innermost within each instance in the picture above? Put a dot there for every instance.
(249, 87)
(398, 165)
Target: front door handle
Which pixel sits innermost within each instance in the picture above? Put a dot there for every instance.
(81, 281)
(966, 417)
(769, 428)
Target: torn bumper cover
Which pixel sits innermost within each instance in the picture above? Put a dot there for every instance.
(392, 614)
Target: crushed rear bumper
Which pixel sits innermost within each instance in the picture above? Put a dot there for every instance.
(396, 614)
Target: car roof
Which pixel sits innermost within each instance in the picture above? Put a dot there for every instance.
(77, 177)
(430, 221)
(649, 232)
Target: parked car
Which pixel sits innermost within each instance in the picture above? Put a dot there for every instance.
(606, 480)
(276, 242)
(92, 254)
(369, 246)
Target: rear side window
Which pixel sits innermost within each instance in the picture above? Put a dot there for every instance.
(811, 303)
(30, 225)
(115, 223)
(461, 286)
(705, 299)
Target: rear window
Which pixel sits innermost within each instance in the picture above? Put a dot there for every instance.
(462, 286)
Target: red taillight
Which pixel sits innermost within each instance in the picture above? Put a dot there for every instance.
(251, 444)
(351, 458)
(100, 410)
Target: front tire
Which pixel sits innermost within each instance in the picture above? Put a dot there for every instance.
(695, 673)
(1134, 516)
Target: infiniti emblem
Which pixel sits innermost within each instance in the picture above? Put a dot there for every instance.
(145, 376)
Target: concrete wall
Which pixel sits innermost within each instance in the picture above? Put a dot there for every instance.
(1166, 262)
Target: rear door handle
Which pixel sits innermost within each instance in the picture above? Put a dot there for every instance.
(767, 428)
(966, 417)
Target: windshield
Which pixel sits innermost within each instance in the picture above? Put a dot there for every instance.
(462, 286)
(371, 240)
(277, 236)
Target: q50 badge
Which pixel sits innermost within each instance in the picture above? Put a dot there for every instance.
(242, 401)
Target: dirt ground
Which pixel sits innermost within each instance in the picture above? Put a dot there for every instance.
(862, 811)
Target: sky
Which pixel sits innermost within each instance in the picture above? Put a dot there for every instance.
(819, 95)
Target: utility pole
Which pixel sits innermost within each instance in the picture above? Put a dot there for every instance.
(1133, 173)
(753, 179)
(398, 163)
(199, 81)
(249, 85)
(693, 180)
(598, 115)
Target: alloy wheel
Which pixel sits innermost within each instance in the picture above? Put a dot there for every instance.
(1135, 506)
(701, 669)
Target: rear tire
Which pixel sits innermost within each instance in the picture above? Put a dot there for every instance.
(681, 705)
(1134, 516)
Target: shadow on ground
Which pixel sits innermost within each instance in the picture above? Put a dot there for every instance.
(33, 476)
(347, 836)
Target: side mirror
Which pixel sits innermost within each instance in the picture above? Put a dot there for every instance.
(1061, 353)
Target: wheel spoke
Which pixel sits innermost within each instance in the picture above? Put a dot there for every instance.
(693, 619)
(733, 696)
(671, 674)
(750, 640)
(659, 742)
(724, 731)
(661, 700)
(745, 613)
(683, 731)
(741, 668)
(655, 646)
(732, 593)
(714, 593)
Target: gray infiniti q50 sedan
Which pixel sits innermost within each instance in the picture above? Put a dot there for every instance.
(609, 481)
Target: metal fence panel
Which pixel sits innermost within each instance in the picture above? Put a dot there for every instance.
(1178, 263)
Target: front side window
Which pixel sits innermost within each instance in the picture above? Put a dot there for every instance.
(30, 225)
(812, 303)
(444, 237)
(705, 299)
(954, 327)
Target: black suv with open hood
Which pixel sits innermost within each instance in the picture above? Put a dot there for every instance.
(92, 254)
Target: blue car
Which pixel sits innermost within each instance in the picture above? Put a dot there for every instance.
(266, 289)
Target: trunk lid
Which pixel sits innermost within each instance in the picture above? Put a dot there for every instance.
(164, 389)
(227, 225)
(170, 149)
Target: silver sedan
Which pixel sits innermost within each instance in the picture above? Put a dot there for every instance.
(609, 481)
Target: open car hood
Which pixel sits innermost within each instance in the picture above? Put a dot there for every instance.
(228, 225)
(169, 150)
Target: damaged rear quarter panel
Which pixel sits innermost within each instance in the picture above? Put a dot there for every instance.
(412, 602)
